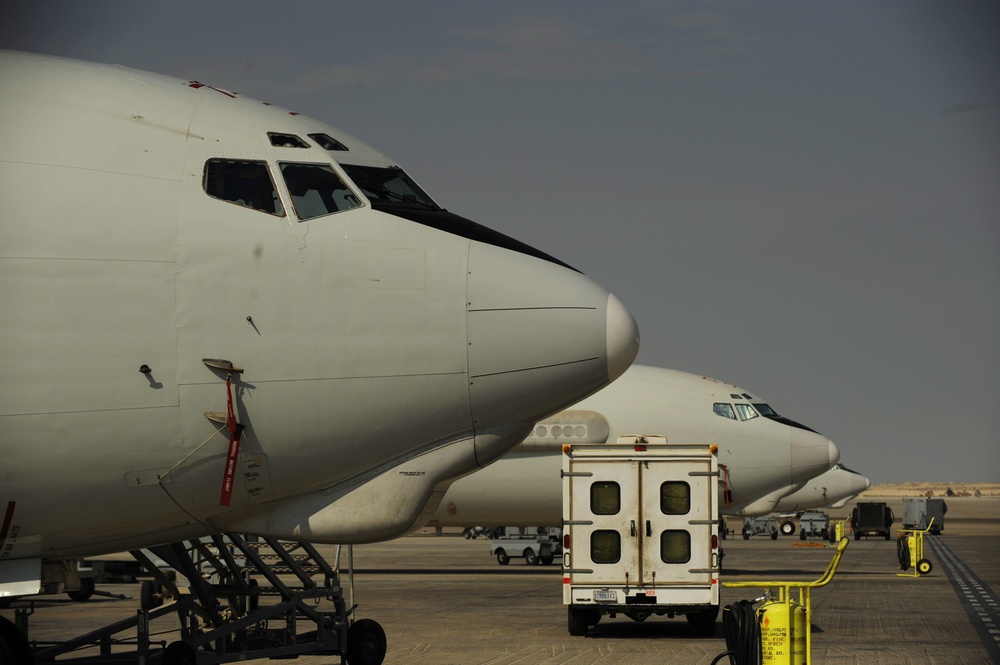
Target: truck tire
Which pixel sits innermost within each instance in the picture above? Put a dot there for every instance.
(802, 535)
(530, 557)
(502, 558)
(774, 535)
(703, 621)
(547, 560)
(577, 622)
(746, 535)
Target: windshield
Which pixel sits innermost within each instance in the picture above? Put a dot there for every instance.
(765, 410)
(389, 186)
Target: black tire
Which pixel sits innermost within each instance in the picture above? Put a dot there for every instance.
(824, 534)
(86, 590)
(530, 557)
(787, 528)
(924, 567)
(774, 535)
(703, 621)
(802, 535)
(179, 653)
(746, 535)
(577, 622)
(547, 560)
(887, 535)
(502, 558)
(366, 643)
(14, 647)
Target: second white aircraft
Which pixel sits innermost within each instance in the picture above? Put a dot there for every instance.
(765, 455)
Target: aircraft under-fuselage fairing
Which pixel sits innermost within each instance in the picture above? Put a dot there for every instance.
(831, 489)
(764, 455)
(221, 315)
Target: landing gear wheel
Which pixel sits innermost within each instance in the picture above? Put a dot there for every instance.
(787, 528)
(577, 622)
(85, 591)
(924, 566)
(179, 653)
(149, 597)
(502, 558)
(14, 647)
(703, 621)
(365, 643)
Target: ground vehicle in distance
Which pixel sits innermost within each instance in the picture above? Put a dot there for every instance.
(641, 519)
(918, 513)
(872, 518)
(765, 525)
(537, 544)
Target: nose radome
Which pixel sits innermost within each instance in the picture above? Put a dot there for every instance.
(541, 336)
(622, 336)
(812, 454)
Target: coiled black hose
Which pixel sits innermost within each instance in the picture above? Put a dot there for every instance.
(739, 623)
(903, 551)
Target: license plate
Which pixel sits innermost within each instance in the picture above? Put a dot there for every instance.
(605, 595)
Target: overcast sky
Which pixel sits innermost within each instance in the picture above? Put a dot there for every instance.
(800, 198)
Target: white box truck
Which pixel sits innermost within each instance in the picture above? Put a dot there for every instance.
(640, 531)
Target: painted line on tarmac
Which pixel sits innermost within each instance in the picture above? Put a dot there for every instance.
(979, 601)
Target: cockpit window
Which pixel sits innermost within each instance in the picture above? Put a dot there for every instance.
(245, 183)
(724, 410)
(316, 190)
(286, 140)
(765, 410)
(327, 142)
(389, 186)
(745, 411)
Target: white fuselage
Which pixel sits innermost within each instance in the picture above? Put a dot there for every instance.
(368, 341)
(764, 458)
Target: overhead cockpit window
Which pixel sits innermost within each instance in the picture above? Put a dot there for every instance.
(735, 396)
(245, 183)
(745, 411)
(327, 142)
(725, 410)
(389, 186)
(766, 411)
(286, 140)
(316, 190)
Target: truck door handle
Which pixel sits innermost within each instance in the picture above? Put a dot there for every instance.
(649, 529)
(633, 528)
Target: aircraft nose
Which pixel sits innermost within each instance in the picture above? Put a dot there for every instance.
(541, 336)
(812, 454)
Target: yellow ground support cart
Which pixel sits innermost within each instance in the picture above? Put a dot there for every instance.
(785, 637)
(910, 550)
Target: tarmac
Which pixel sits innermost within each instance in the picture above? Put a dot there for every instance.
(443, 600)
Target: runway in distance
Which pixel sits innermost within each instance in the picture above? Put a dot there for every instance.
(221, 315)
(765, 455)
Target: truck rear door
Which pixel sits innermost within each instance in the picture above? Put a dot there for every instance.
(642, 523)
(677, 521)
